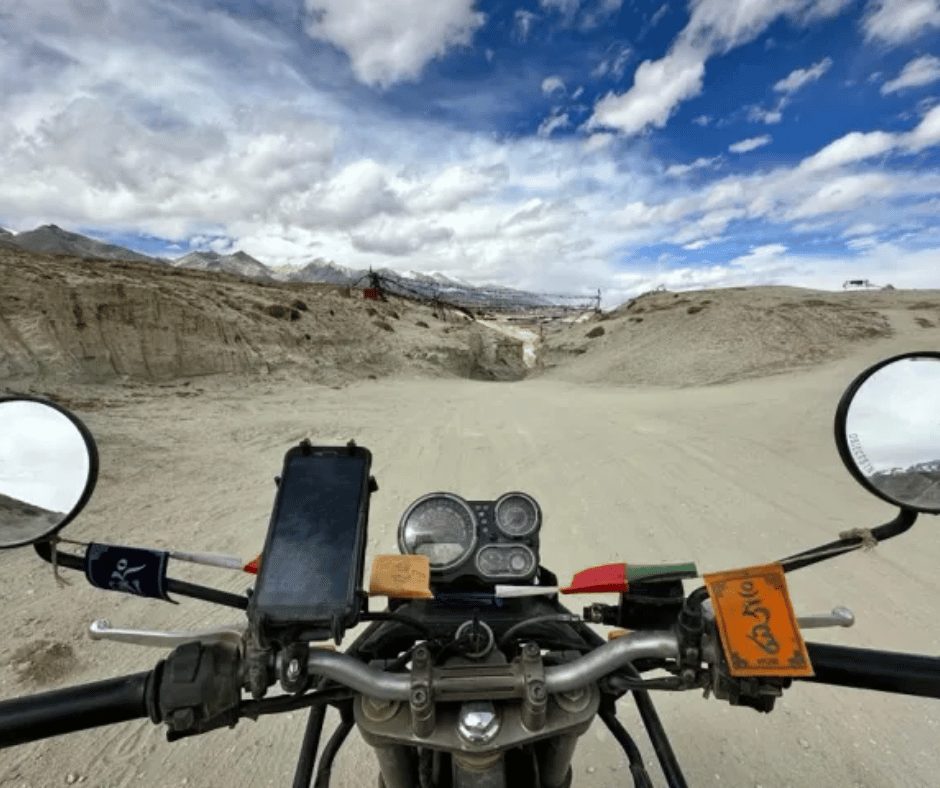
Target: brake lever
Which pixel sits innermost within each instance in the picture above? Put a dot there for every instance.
(102, 630)
(839, 617)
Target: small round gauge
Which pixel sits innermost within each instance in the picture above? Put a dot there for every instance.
(440, 526)
(506, 561)
(517, 514)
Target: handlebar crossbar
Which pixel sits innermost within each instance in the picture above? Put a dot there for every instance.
(373, 683)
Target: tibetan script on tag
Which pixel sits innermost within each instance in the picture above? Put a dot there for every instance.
(756, 622)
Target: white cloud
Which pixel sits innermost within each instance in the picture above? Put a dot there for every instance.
(721, 25)
(551, 84)
(715, 26)
(702, 120)
(918, 72)
(768, 116)
(800, 77)
(850, 148)
(862, 243)
(701, 244)
(860, 228)
(565, 7)
(552, 124)
(658, 87)
(394, 40)
(925, 134)
(599, 14)
(896, 21)
(451, 188)
(857, 146)
(843, 194)
(615, 64)
(750, 144)
(598, 142)
(759, 257)
(399, 237)
(681, 169)
(525, 20)
(577, 93)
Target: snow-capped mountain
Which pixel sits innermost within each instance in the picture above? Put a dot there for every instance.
(238, 263)
(323, 272)
(435, 278)
(930, 467)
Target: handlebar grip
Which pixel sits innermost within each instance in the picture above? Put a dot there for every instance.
(886, 671)
(61, 711)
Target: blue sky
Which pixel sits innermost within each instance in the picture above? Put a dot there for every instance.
(556, 145)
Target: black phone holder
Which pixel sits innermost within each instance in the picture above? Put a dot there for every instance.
(309, 585)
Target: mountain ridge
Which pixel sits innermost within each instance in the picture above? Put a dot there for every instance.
(52, 239)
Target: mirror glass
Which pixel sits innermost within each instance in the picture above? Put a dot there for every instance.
(892, 430)
(46, 465)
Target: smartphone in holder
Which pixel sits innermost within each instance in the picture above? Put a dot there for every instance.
(309, 580)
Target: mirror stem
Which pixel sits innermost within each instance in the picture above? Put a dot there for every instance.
(181, 587)
(898, 525)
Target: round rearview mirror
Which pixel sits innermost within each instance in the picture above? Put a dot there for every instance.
(48, 469)
(888, 430)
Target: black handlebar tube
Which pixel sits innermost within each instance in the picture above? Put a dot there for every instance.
(181, 587)
(885, 671)
(72, 709)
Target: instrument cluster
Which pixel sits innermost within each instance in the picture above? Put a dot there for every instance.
(495, 541)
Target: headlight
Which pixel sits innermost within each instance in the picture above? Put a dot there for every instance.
(442, 527)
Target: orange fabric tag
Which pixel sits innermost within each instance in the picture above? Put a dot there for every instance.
(401, 577)
(756, 622)
(617, 633)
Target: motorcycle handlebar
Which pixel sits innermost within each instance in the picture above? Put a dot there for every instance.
(125, 698)
(580, 672)
(885, 671)
(74, 709)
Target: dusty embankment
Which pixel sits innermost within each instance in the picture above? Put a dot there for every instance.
(709, 337)
(98, 320)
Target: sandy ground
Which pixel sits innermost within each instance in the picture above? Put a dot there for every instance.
(727, 475)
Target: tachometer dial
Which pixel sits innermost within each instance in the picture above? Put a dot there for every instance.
(442, 527)
(517, 514)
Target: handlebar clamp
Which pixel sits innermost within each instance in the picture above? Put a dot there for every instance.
(196, 689)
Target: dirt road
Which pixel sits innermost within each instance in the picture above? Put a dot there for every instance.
(726, 476)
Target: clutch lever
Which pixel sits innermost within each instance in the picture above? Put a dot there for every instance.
(102, 630)
(839, 617)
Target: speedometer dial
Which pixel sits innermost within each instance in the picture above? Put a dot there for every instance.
(517, 514)
(442, 527)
